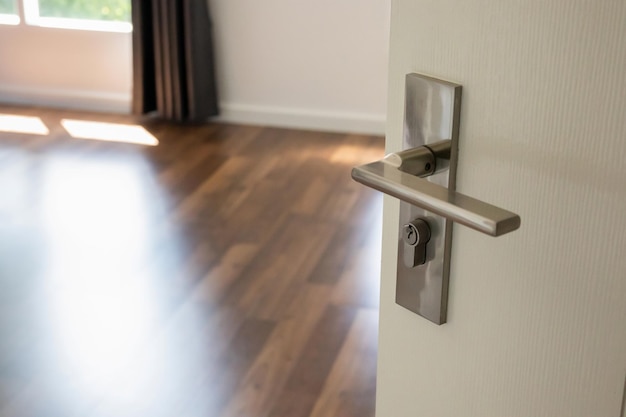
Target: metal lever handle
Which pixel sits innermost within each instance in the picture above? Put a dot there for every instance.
(398, 175)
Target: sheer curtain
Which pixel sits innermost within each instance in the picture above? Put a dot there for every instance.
(173, 59)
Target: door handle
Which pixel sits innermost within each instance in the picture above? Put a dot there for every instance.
(398, 174)
(423, 177)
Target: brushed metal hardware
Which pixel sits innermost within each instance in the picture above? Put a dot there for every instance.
(415, 236)
(397, 173)
(423, 177)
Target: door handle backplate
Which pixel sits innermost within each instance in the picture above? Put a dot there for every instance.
(423, 177)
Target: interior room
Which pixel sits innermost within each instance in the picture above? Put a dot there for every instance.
(243, 208)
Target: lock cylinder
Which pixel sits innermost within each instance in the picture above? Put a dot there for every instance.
(415, 236)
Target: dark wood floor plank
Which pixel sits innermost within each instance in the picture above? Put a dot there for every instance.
(308, 376)
(243, 350)
(290, 256)
(212, 287)
(265, 381)
(350, 389)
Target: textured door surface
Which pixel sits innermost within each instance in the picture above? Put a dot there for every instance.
(537, 318)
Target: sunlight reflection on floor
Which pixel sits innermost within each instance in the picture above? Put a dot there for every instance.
(22, 124)
(101, 303)
(111, 132)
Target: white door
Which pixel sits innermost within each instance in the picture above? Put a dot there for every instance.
(536, 318)
(61, 62)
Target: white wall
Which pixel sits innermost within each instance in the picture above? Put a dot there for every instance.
(65, 68)
(320, 65)
(313, 64)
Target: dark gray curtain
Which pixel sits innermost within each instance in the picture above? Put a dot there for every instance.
(173, 65)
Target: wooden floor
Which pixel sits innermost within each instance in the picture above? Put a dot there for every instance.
(228, 271)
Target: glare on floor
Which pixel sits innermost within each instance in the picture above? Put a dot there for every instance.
(111, 132)
(22, 124)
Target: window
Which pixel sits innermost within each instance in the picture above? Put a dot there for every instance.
(107, 10)
(8, 12)
(7, 7)
(101, 15)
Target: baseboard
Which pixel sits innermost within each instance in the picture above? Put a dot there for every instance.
(372, 124)
(66, 99)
